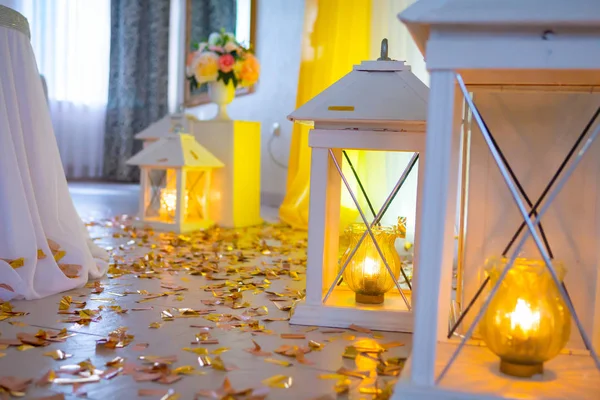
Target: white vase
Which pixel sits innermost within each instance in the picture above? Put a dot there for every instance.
(221, 95)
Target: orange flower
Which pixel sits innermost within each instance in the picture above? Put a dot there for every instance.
(249, 70)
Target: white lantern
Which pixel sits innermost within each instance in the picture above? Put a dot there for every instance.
(379, 106)
(166, 126)
(175, 184)
(510, 133)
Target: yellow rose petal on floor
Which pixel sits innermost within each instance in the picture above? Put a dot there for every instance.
(278, 381)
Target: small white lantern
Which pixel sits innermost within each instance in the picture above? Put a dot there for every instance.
(166, 126)
(528, 75)
(378, 106)
(175, 184)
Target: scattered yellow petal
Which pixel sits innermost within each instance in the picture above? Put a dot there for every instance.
(59, 255)
(342, 386)
(201, 351)
(204, 361)
(16, 263)
(65, 303)
(58, 355)
(220, 350)
(184, 370)
(278, 381)
(315, 345)
(392, 345)
(278, 362)
(350, 352)
(370, 390)
(155, 325)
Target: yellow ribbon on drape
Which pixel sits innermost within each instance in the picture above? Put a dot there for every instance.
(336, 36)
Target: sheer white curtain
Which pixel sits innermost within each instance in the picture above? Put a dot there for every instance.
(71, 42)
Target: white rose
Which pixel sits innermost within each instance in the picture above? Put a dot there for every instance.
(213, 39)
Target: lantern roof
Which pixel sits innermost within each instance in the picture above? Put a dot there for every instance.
(423, 14)
(374, 91)
(166, 126)
(176, 151)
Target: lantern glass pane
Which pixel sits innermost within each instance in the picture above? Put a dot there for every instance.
(161, 195)
(532, 132)
(196, 189)
(372, 175)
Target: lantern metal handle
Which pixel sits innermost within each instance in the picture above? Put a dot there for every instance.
(384, 51)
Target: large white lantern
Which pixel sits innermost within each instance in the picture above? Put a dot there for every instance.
(175, 184)
(513, 115)
(380, 106)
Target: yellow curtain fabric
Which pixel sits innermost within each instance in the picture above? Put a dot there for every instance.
(336, 36)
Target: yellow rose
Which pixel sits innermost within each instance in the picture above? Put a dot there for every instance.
(249, 70)
(207, 69)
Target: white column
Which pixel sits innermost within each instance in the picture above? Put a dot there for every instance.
(437, 217)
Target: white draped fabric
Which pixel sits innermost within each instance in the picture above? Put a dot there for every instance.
(71, 42)
(35, 204)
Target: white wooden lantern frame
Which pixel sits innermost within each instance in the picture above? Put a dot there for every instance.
(362, 111)
(339, 309)
(549, 46)
(199, 191)
(182, 158)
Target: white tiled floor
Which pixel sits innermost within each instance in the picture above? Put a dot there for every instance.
(99, 201)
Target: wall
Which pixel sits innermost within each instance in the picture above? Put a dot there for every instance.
(279, 34)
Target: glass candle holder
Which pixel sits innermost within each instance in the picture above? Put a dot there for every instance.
(366, 274)
(527, 322)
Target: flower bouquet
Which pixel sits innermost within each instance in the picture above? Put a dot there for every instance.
(224, 64)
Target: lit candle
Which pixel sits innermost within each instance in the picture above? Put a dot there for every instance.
(526, 323)
(366, 274)
(168, 203)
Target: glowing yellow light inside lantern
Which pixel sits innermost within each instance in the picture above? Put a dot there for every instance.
(366, 274)
(527, 323)
(523, 319)
(168, 203)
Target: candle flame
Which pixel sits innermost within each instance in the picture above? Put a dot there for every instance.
(523, 317)
(371, 268)
(168, 200)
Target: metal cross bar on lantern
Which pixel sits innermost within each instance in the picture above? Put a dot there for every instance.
(533, 212)
(377, 108)
(533, 79)
(369, 229)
